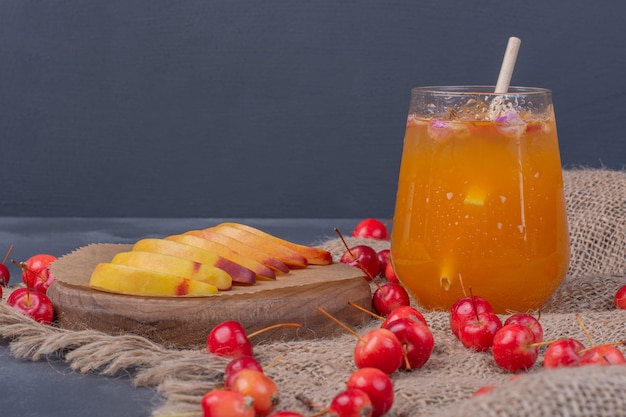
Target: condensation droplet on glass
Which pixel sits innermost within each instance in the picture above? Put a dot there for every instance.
(502, 199)
(467, 216)
(427, 199)
(449, 195)
(445, 283)
(520, 228)
(499, 225)
(536, 175)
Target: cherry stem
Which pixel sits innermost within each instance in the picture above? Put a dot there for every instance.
(7, 255)
(620, 342)
(358, 307)
(346, 328)
(27, 270)
(405, 354)
(355, 258)
(275, 326)
(274, 362)
(582, 325)
(474, 304)
(310, 404)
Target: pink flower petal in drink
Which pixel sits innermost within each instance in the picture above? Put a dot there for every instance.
(443, 130)
(511, 124)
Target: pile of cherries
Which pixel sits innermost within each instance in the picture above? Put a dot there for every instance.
(32, 299)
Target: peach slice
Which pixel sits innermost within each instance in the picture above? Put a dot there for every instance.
(288, 256)
(242, 249)
(314, 256)
(174, 265)
(130, 280)
(239, 274)
(261, 271)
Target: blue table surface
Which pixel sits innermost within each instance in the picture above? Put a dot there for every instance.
(49, 387)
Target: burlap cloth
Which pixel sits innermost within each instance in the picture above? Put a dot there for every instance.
(315, 370)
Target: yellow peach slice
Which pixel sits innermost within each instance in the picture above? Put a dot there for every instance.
(261, 271)
(137, 281)
(239, 274)
(281, 252)
(241, 248)
(314, 256)
(174, 265)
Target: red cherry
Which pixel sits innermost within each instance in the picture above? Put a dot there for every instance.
(351, 403)
(529, 321)
(563, 352)
(513, 348)
(372, 229)
(238, 364)
(32, 303)
(620, 298)
(388, 297)
(228, 339)
(467, 307)
(36, 273)
(403, 312)
(602, 355)
(384, 258)
(378, 387)
(416, 339)
(5, 275)
(477, 332)
(390, 273)
(260, 387)
(364, 257)
(379, 348)
(227, 403)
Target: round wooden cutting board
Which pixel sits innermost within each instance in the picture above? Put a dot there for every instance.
(185, 322)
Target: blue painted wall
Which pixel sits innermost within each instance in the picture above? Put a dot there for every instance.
(271, 109)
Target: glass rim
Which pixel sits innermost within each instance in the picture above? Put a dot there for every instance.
(479, 90)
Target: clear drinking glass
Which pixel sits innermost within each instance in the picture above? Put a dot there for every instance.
(480, 202)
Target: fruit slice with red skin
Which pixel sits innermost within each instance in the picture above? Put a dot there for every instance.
(313, 255)
(378, 387)
(371, 229)
(352, 402)
(238, 273)
(562, 353)
(227, 403)
(283, 253)
(416, 339)
(229, 340)
(379, 348)
(602, 355)
(260, 387)
(242, 249)
(33, 304)
(513, 348)
(174, 265)
(261, 271)
(138, 281)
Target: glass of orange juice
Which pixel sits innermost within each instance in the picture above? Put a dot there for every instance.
(480, 206)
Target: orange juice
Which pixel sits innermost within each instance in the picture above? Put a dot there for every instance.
(480, 204)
